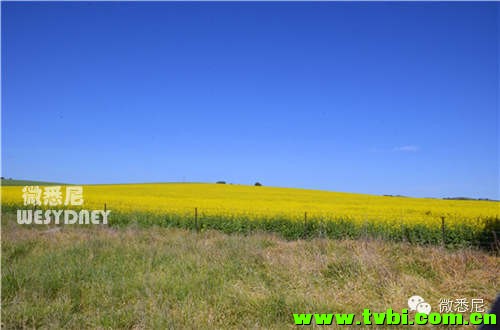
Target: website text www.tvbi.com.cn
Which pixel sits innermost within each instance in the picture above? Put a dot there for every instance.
(451, 312)
(389, 317)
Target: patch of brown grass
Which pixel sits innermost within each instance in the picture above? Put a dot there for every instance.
(173, 278)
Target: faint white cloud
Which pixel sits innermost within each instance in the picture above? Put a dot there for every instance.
(409, 148)
(375, 150)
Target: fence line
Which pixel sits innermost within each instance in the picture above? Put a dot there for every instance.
(489, 238)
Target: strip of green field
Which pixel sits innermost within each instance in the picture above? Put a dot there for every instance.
(456, 236)
(14, 182)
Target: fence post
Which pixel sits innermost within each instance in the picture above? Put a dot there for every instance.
(496, 243)
(196, 218)
(305, 224)
(104, 207)
(443, 231)
(365, 230)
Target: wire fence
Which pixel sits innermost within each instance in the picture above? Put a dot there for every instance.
(446, 236)
(445, 233)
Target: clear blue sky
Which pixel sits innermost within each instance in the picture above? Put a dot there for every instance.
(383, 98)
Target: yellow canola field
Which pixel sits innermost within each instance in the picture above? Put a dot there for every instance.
(269, 202)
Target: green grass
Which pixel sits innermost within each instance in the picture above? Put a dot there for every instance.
(136, 277)
(14, 182)
(456, 235)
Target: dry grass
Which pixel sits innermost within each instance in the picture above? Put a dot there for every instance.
(97, 277)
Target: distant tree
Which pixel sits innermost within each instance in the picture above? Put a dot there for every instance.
(3, 178)
(258, 184)
(221, 182)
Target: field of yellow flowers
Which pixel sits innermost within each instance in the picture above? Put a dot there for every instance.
(244, 208)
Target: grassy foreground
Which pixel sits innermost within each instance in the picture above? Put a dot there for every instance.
(101, 277)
